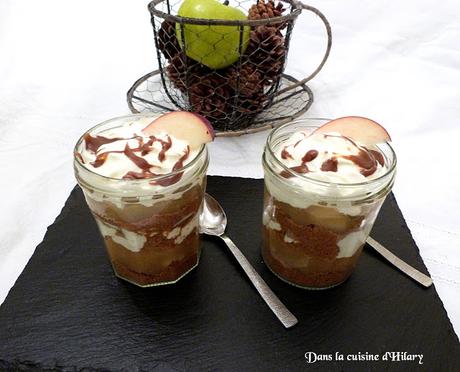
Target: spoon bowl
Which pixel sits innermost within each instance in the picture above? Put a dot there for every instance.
(213, 220)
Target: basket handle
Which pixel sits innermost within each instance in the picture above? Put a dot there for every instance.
(326, 54)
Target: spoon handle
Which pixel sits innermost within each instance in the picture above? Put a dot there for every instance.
(410, 271)
(273, 302)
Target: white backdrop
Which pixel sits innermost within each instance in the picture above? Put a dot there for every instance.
(66, 65)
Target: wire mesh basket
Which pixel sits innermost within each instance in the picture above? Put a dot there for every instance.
(231, 71)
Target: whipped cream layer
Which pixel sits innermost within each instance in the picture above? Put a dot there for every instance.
(125, 152)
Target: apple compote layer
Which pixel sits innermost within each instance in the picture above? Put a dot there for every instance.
(313, 247)
(151, 245)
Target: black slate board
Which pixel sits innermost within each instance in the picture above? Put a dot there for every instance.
(67, 310)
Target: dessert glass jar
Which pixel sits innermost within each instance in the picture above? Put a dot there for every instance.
(314, 230)
(150, 226)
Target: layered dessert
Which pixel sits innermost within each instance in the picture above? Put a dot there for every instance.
(144, 181)
(323, 189)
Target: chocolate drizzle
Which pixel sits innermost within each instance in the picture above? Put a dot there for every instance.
(78, 155)
(302, 168)
(165, 146)
(132, 175)
(309, 156)
(298, 169)
(140, 162)
(378, 156)
(285, 154)
(330, 165)
(366, 159)
(180, 163)
(93, 144)
(304, 135)
(100, 159)
(167, 181)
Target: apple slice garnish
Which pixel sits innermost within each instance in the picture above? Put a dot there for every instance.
(362, 130)
(187, 126)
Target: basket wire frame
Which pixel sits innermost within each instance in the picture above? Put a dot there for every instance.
(252, 94)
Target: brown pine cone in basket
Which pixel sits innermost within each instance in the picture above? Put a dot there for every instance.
(246, 80)
(266, 50)
(167, 40)
(182, 71)
(263, 10)
(210, 95)
(253, 104)
(176, 71)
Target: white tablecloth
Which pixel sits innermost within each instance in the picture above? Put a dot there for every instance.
(66, 65)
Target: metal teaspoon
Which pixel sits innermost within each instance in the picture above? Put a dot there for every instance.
(213, 221)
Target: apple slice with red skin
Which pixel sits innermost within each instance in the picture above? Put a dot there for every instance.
(362, 130)
(187, 126)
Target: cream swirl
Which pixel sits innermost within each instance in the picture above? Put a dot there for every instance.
(125, 152)
(331, 157)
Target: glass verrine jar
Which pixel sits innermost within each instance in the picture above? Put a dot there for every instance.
(149, 225)
(314, 229)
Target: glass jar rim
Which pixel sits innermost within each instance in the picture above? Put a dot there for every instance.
(149, 179)
(304, 176)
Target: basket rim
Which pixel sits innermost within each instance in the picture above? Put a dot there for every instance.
(295, 12)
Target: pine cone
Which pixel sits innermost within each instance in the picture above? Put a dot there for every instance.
(246, 80)
(267, 51)
(210, 96)
(167, 40)
(183, 71)
(177, 72)
(263, 10)
(253, 104)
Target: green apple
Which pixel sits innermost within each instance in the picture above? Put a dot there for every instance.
(214, 46)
